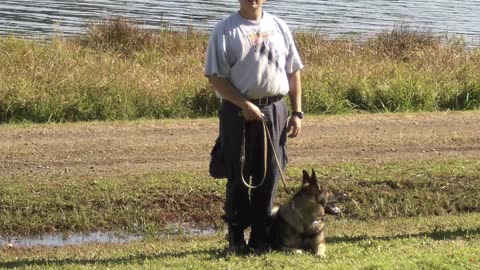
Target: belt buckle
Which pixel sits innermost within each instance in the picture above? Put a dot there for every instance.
(263, 101)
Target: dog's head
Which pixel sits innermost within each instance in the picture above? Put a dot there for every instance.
(311, 186)
(322, 194)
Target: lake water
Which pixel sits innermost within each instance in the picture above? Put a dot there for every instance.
(334, 18)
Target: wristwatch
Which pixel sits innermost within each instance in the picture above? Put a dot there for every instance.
(300, 115)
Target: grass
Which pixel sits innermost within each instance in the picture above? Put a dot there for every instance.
(404, 69)
(119, 71)
(424, 214)
(148, 202)
(108, 74)
(449, 242)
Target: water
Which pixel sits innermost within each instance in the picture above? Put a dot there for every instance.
(59, 239)
(335, 18)
(69, 240)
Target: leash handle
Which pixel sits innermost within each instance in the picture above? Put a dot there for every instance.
(243, 158)
(266, 137)
(276, 159)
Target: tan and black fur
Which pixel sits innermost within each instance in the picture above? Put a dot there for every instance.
(299, 223)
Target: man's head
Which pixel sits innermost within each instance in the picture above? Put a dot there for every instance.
(251, 9)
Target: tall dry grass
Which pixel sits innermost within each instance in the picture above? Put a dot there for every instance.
(118, 70)
(404, 69)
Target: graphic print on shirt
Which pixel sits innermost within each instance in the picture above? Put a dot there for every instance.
(262, 42)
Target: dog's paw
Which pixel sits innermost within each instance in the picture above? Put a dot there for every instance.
(298, 251)
(320, 251)
(321, 254)
(292, 250)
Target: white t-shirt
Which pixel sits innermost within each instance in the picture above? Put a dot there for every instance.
(255, 56)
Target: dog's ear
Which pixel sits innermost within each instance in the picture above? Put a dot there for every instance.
(313, 180)
(306, 178)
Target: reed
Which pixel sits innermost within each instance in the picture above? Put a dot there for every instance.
(120, 71)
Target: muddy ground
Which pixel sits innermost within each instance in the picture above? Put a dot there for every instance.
(130, 148)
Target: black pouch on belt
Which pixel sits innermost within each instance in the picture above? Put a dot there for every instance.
(217, 164)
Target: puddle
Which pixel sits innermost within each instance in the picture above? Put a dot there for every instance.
(68, 240)
(188, 229)
(60, 239)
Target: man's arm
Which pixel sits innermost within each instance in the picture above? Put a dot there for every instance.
(295, 94)
(228, 92)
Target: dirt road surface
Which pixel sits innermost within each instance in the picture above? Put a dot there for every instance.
(137, 147)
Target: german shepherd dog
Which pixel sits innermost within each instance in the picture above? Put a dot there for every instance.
(298, 224)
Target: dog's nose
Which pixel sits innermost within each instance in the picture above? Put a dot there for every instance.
(332, 209)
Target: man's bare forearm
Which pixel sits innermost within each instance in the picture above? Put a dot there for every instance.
(228, 91)
(295, 92)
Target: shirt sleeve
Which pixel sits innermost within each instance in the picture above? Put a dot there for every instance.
(216, 57)
(293, 60)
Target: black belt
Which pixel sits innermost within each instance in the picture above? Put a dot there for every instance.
(265, 101)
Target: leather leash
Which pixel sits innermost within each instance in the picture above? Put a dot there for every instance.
(266, 137)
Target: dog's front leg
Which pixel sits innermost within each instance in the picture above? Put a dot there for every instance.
(317, 245)
(321, 251)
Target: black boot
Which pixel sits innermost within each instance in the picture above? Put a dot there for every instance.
(236, 240)
(259, 238)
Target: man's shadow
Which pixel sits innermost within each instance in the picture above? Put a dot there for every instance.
(212, 254)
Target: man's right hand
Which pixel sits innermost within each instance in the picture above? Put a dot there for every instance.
(251, 112)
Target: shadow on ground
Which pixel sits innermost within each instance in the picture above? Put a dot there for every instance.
(435, 235)
(215, 254)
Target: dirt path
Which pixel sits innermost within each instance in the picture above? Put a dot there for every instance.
(129, 148)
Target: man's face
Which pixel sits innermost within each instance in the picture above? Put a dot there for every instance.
(251, 4)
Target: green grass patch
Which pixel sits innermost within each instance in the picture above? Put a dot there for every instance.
(449, 242)
(148, 202)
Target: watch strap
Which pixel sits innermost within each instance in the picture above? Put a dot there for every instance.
(300, 115)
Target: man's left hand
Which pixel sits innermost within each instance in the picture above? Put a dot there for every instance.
(294, 126)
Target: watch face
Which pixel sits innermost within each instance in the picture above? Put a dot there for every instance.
(298, 114)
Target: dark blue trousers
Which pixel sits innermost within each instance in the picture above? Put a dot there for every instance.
(244, 207)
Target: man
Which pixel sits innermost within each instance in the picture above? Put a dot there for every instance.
(252, 63)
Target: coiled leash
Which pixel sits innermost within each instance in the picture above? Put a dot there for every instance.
(266, 137)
